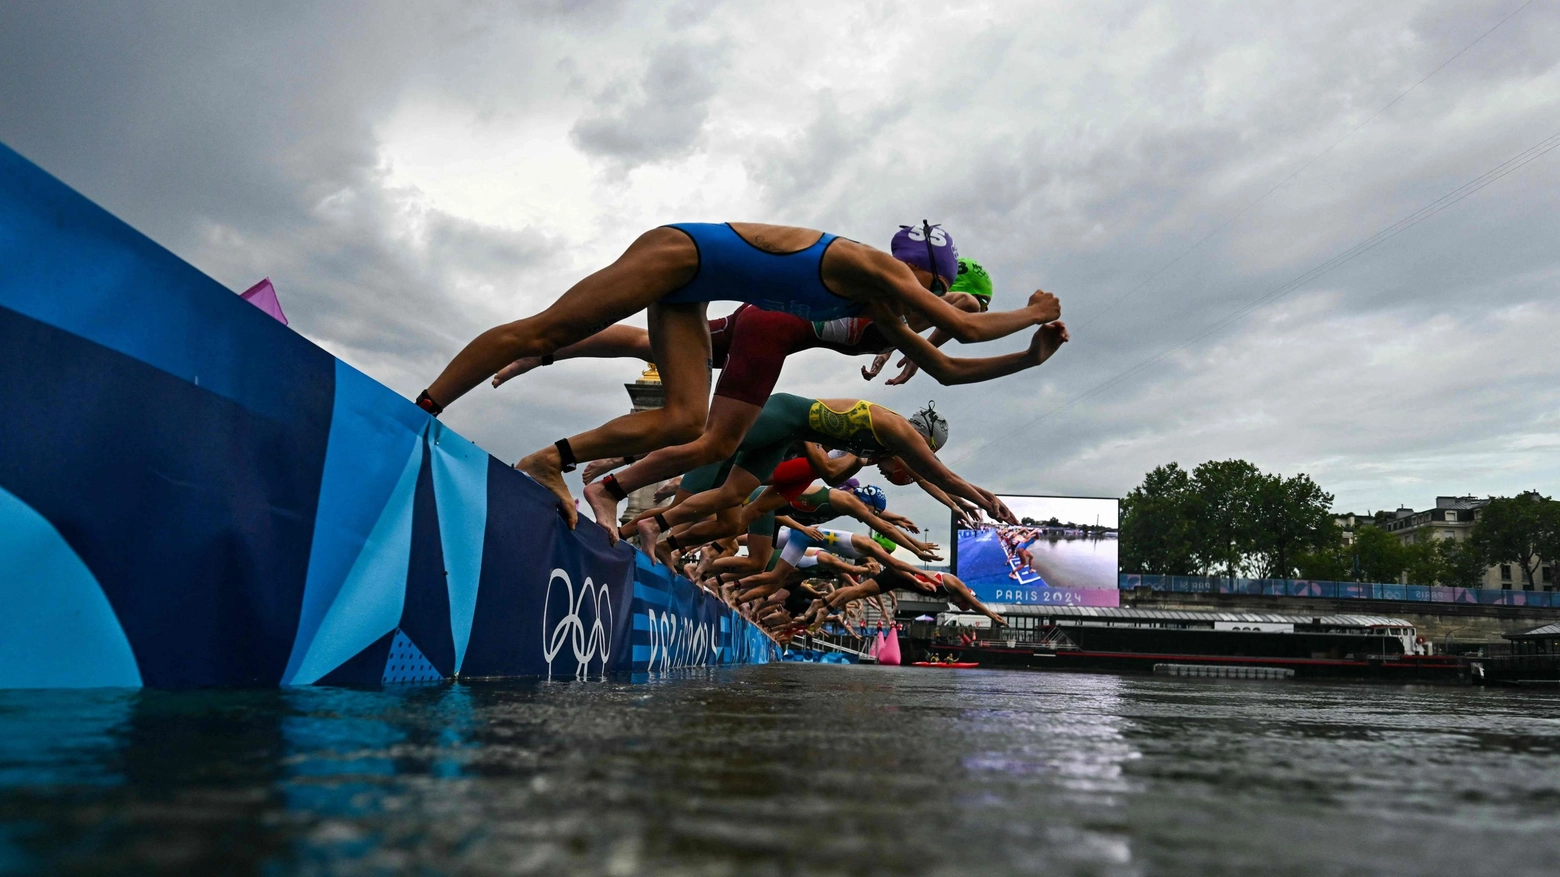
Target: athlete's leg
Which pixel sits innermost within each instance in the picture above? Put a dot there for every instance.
(966, 599)
(613, 342)
(660, 261)
(868, 588)
(729, 421)
(731, 521)
(680, 339)
(738, 485)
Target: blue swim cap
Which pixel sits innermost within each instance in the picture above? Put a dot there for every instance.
(872, 495)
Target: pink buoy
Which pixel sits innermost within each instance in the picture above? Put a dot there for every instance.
(889, 653)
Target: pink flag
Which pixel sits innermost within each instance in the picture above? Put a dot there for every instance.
(263, 296)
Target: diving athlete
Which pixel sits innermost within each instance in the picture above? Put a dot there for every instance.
(674, 271)
(856, 425)
(750, 347)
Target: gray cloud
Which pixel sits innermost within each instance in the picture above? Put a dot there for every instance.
(660, 118)
(1078, 148)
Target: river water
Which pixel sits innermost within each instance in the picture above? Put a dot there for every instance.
(1076, 563)
(787, 769)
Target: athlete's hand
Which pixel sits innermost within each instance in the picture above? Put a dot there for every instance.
(1047, 340)
(1046, 307)
(871, 371)
(812, 533)
(899, 521)
(907, 370)
(873, 567)
(996, 507)
(928, 554)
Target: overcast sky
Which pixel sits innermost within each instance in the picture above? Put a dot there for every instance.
(411, 174)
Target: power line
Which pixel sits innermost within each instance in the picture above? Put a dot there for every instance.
(1444, 202)
(960, 409)
(1285, 181)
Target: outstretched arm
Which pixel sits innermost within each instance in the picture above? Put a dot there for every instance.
(903, 292)
(904, 441)
(948, 370)
(961, 514)
(832, 471)
(859, 510)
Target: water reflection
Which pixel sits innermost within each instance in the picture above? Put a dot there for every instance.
(785, 769)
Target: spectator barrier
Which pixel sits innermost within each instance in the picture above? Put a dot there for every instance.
(1337, 590)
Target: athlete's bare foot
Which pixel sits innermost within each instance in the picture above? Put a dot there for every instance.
(597, 468)
(516, 369)
(603, 508)
(546, 468)
(665, 554)
(649, 533)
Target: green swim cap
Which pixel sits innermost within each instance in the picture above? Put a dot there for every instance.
(974, 280)
(888, 544)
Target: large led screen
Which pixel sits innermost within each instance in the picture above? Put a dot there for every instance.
(1063, 552)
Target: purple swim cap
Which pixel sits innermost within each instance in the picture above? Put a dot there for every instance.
(932, 251)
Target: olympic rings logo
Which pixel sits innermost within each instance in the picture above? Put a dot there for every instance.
(590, 639)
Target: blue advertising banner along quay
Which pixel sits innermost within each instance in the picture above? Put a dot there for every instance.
(192, 494)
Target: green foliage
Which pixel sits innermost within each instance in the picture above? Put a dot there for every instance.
(1156, 526)
(1520, 530)
(1226, 518)
(1462, 564)
(1292, 517)
(1330, 563)
(1380, 556)
(1224, 498)
(1422, 563)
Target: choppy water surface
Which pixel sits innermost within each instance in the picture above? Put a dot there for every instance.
(787, 769)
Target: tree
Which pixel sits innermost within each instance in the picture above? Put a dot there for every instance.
(1156, 527)
(1223, 515)
(1549, 535)
(1329, 563)
(1379, 556)
(1423, 564)
(1462, 564)
(1292, 515)
(1515, 530)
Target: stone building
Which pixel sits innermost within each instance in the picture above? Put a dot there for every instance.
(1453, 518)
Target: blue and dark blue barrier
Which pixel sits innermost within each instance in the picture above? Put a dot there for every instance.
(192, 494)
(1338, 590)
